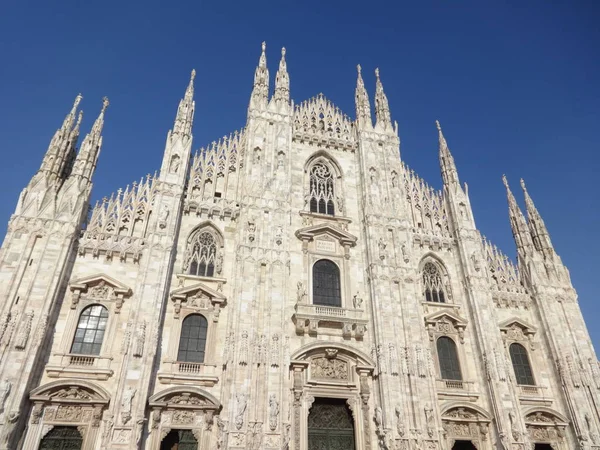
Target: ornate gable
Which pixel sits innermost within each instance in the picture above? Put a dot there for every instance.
(324, 232)
(100, 288)
(198, 298)
(319, 121)
(445, 323)
(517, 330)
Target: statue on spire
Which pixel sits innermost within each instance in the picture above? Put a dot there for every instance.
(185, 112)
(363, 107)
(447, 165)
(539, 232)
(260, 92)
(518, 224)
(382, 108)
(282, 82)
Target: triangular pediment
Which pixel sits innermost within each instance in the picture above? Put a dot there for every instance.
(516, 321)
(448, 316)
(324, 229)
(198, 289)
(100, 279)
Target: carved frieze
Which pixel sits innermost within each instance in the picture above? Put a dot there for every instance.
(329, 368)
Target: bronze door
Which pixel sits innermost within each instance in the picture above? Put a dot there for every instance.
(330, 425)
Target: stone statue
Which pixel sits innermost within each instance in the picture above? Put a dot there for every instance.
(126, 402)
(286, 436)
(175, 162)
(357, 301)
(382, 247)
(378, 417)
(405, 253)
(301, 292)
(273, 412)
(164, 215)
(5, 387)
(241, 403)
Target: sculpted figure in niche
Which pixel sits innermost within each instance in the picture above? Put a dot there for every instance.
(5, 387)
(301, 292)
(164, 215)
(126, 403)
(273, 412)
(241, 403)
(378, 417)
(175, 162)
(357, 301)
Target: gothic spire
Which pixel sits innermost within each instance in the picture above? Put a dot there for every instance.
(63, 143)
(260, 91)
(85, 163)
(447, 165)
(282, 82)
(382, 108)
(518, 224)
(185, 112)
(363, 107)
(539, 232)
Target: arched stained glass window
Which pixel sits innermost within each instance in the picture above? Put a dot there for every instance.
(433, 284)
(322, 195)
(202, 254)
(448, 359)
(521, 366)
(192, 342)
(90, 330)
(326, 284)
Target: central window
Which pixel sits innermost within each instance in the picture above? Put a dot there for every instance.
(192, 342)
(322, 193)
(202, 255)
(326, 284)
(433, 284)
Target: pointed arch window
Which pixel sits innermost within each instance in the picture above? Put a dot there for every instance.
(521, 366)
(192, 341)
(326, 284)
(433, 284)
(322, 191)
(448, 359)
(202, 257)
(90, 330)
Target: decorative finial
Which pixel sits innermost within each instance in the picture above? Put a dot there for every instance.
(264, 46)
(283, 52)
(523, 185)
(193, 75)
(105, 103)
(505, 181)
(77, 100)
(358, 68)
(377, 72)
(439, 127)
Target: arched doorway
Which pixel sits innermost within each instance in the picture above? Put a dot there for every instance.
(330, 425)
(179, 440)
(62, 438)
(463, 445)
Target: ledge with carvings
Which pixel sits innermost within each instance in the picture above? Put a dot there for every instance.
(534, 395)
(69, 365)
(319, 319)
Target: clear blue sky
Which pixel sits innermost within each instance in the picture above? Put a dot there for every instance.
(514, 84)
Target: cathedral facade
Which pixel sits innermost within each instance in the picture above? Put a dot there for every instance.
(294, 285)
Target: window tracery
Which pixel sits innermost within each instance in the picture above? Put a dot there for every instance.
(433, 284)
(322, 191)
(203, 257)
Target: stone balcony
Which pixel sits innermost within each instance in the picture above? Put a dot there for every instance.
(534, 395)
(457, 389)
(331, 320)
(69, 365)
(180, 372)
